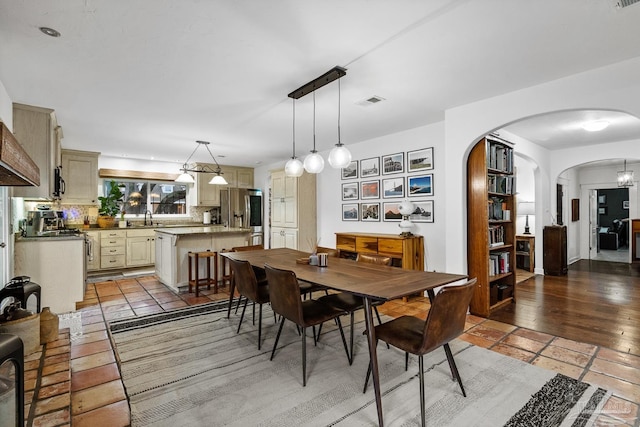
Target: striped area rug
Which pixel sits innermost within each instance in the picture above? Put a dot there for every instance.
(190, 368)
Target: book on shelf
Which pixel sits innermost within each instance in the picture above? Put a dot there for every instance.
(499, 263)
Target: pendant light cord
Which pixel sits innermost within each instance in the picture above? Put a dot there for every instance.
(339, 143)
(314, 121)
(294, 128)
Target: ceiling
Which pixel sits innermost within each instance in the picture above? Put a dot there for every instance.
(147, 78)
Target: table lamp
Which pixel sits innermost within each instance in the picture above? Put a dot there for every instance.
(526, 209)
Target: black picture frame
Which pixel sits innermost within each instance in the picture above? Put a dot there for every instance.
(350, 191)
(391, 212)
(350, 211)
(392, 164)
(370, 212)
(370, 189)
(420, 160)
(423, 211)
(393, 187)
(370, 167)
(351, 171)
(420, 185)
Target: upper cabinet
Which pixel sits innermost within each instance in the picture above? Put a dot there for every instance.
(80, 174)
(37, 130)
(204, 194)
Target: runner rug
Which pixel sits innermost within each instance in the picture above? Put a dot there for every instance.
(189, 368)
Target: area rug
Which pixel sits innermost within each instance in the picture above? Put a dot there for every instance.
(190, 368)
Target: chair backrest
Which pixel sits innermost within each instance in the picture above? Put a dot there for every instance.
(247, 248)
(374, 259)
(284, 293)
(332, 252)
(447, 315)
(244, 278)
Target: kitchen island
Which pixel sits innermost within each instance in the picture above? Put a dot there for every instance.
(173, 245)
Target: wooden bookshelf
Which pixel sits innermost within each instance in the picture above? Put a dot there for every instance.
(491, 214)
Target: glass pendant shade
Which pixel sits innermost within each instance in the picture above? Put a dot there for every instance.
(185, 178)
(625, 177)
(339, 157)
(313, 163)
(218, 180)
(294, 167)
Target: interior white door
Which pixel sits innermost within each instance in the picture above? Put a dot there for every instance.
(593, 223)
(4, 235)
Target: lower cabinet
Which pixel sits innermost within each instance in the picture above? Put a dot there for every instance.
(112, 248)
(165, 258)
(140, 247)
(93, 251)
(284, 238)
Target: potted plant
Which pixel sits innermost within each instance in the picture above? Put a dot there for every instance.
(109, 206)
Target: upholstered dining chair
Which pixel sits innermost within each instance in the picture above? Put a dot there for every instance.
(445, 321)
(244, 278)
(351, 303)
(284, 293)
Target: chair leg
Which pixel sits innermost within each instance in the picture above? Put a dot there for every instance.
(366, 380)
(275, 344)
(232, 289)
(454, 368)
(344, 341)
(350, 354)
(242, 315)
(315, 340)
(406, 360)
(238, 304)
(260, 327)
(304, 356)
(319, 332)
(380, 322)
(421, 376)
(253, 319)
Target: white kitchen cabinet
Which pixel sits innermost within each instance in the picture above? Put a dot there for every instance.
(80, 173)
(93, 251)
(293, 211)
(244, 177)
(165, 258)
(284, 238)
(140, 247)
(37, 130)
(113, 248)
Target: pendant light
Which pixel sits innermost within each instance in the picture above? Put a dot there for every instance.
(340, 156)
(625, 177)
(294, 167)
(314, 163)
(186, 178)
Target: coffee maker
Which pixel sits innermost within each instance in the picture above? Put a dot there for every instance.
(40, 222)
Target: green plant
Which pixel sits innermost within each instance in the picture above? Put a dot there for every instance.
(110, 204)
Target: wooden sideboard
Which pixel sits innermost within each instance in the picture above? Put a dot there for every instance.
(407, 252)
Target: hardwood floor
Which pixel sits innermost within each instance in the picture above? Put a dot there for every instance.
(596, 302)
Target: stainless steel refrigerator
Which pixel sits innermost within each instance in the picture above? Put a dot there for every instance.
(242, 207)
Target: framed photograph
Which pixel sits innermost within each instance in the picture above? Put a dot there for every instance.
(351, 171)
(423, 211)
(350, 212)
(602, 199)
(420, 160)
(350, 191)
(420, 185)
(393, 163)
(625, 204)
(391, 211)
(370, 189)
(370, 212)
(370, 167)
(393, 187)
(602, 210)
(575, 209)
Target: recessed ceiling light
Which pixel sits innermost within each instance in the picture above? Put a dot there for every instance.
(50, 31)
(595, 125)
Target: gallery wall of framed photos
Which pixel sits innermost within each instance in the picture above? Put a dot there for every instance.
(373, 188)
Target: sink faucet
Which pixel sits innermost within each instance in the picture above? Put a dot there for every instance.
(150, 217)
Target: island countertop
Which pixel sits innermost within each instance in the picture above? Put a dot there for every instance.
(208, 229)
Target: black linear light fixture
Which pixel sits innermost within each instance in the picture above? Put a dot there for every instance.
(340, 155)
(186, 178)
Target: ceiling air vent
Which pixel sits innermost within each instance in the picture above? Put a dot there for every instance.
(621, 4)
(373, 100)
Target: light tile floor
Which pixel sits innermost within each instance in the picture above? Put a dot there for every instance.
(75, 380)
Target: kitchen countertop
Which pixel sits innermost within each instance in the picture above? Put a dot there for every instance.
(58, 238)
(209, 229)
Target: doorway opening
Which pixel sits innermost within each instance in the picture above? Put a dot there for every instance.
(612, 224)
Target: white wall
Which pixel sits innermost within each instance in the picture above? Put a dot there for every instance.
(6, 108)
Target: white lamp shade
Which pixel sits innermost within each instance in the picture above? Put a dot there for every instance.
(313, 163)
(339, 157)
(294, 167)
(406, 207)
(185, 178)
(526, 208)
(218, 180)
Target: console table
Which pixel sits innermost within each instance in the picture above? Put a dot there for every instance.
(525, 250)
(406, 252)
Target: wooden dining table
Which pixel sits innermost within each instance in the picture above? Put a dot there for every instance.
(370, 281)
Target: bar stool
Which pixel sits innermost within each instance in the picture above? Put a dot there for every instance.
(12, 349)
(22, 293)
(196, 281)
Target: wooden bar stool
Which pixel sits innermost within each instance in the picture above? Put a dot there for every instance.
(196, 281)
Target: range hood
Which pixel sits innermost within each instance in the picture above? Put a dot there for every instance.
(16, 167)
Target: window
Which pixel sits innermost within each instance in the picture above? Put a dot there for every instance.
(161, 198)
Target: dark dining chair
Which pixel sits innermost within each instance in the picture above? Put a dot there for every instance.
(350, 303)
(244, 278)
(284, 293)
(445, 321)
